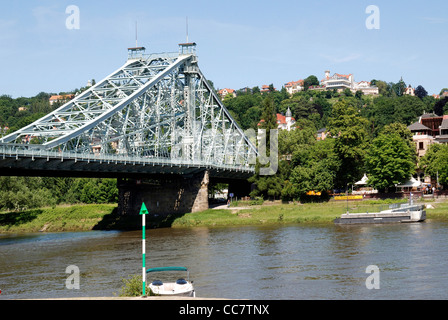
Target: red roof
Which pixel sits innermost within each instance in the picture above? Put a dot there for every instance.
(62, 97)
(281, 119)
(292, 83)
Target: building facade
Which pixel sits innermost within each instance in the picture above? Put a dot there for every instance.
(61, 98)
(430, 128)
(224, 92)
(341, 82)
(294, 86)
(284, 122)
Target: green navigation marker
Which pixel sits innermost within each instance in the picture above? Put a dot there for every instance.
(143, 212)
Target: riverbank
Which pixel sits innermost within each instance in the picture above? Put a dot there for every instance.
(81, 217)
(85, 217)
(243, 213)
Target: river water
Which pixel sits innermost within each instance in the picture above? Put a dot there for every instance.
(257, 262)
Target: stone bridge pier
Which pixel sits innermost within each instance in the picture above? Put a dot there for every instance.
(174, 194)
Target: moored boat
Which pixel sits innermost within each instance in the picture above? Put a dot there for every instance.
(180, 287)
(405, 213)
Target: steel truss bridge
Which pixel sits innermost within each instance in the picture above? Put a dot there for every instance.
(156, 114)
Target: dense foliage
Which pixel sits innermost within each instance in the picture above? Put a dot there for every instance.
(366, 135)
(20, 193)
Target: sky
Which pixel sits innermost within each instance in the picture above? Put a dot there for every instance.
(239, 43)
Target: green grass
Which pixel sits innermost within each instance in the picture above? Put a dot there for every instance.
(103, 216)
(265, 214)
(294, 213)
(53, 219)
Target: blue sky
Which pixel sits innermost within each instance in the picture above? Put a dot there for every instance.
(240, 43)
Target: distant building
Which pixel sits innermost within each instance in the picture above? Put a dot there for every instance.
(341, 82)
(429, 129)
(224, 92)
(409, 91)
(322, 134)
(338, 82)
(284, 122)
(61, 98)
(366, 88)
(265, 88)
(294, 86)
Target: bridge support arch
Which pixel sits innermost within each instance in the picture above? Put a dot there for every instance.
(164, 195)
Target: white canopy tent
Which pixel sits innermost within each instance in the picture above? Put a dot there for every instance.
(411, 183)
(363, 181)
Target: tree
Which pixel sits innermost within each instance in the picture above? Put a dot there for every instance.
(384, 89)
(267, 186)
(348, 92)
(435, 162)
(316, 169)
(301, 106)
(310, 81)
(389, 161)
(421, 92)
(269, 115)
(443, 90)
(439, 106)
(350, 129)
(399, 88)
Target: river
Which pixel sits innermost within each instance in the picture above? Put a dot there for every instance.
(256, 262)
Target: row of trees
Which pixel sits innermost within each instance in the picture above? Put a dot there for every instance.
(316, 106)
(370, 133)
(19, 193)
(387, 156)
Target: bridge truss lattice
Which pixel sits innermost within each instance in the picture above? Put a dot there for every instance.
(155, 108)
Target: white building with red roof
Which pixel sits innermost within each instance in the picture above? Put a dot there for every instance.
(340, 82)
(224, 92)
(284, 122)
(294, 86)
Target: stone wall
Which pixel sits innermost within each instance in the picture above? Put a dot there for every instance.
(164, 195)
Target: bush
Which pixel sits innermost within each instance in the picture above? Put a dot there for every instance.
(133, 287)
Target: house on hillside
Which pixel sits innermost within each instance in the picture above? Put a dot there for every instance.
(322, 134)
(284, 122)
(294, 86)
(341, 82)
(61, 98)
(430, 128)
(409, 91)
(224, 92)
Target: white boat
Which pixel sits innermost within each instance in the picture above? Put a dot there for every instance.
(404, 213)
(180, 287)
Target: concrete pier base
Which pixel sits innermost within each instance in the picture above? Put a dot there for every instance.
(164, 195)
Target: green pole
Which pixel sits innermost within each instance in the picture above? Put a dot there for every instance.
(143, 212)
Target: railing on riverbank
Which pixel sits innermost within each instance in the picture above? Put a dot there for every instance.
(370, 208)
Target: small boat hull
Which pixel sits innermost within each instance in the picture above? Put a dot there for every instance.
(173, 289)
(415, 213)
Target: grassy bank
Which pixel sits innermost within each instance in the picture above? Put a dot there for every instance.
(54, 219)
(277, 213)
(104, 217)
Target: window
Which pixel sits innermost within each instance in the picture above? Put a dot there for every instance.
(420, 146)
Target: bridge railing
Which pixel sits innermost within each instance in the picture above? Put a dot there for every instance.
(11, 151)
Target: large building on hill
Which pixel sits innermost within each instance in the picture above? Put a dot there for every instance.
(430, 128)
(340, 82)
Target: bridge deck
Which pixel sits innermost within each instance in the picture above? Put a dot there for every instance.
(67, 164)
